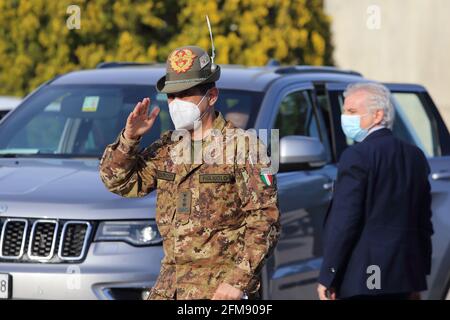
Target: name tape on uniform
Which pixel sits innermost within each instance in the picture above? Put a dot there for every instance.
(215, 178)
(164, 175)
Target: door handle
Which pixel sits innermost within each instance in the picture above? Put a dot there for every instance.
(328, 185)
(443, 175)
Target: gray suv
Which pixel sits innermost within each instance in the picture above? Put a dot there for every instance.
(64, 236)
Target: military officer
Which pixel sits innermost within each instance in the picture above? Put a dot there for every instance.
(218, 221)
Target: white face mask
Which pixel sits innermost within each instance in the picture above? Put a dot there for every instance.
(185, 114)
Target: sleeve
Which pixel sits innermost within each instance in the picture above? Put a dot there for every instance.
(262, 227)
(343, 224)
(127, 172)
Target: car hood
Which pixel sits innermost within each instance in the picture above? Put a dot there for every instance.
(65, 189)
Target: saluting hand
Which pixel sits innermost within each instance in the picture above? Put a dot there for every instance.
(139, 122)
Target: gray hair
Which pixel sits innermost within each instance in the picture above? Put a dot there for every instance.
(379, 97)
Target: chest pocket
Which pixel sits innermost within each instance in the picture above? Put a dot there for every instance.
(218, 199)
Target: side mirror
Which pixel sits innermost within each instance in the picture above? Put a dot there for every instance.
(300, 153)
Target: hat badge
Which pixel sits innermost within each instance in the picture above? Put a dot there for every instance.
(182, 60)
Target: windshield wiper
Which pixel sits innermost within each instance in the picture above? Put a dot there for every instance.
(47, 155)
(15, 155)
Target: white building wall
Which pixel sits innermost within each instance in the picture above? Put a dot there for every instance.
(396, 41)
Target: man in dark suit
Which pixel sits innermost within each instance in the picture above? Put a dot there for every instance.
(377, 236)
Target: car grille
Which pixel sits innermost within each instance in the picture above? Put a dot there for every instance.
(42, 240)
(13, 238)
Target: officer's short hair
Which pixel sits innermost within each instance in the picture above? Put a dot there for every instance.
(202, 89)
(205, 87)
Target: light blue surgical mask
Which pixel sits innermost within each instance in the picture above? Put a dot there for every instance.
(351, 125)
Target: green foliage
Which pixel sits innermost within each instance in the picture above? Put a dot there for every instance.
(36, 44)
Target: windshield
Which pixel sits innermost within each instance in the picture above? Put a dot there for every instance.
(80, 120)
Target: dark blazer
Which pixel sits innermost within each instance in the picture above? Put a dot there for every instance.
(380, 215)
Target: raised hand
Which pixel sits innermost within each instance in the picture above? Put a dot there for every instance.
(139, 122)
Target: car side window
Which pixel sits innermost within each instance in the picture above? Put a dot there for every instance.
(296, 116)
(412, 116)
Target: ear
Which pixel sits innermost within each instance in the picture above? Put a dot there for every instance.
(379, 115)
(213, 95)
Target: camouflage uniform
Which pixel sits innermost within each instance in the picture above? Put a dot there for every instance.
(218, 221)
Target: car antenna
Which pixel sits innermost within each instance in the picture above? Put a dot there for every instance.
(213, 50)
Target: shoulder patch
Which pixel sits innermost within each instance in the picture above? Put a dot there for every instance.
(267, 178)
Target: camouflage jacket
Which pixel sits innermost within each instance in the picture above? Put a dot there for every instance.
(218, 221)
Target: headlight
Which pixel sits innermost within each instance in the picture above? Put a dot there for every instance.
(137, 233)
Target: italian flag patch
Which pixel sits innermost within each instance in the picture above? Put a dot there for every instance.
(267, 178)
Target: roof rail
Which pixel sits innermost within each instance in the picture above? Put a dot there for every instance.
(315, 69)
(117, 64)
(273, 63)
